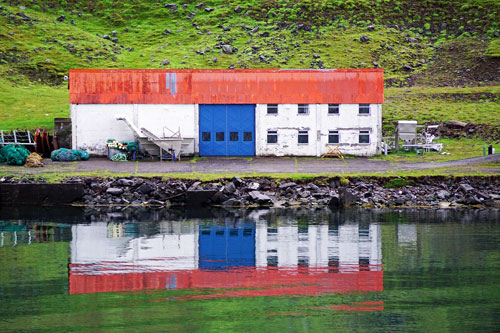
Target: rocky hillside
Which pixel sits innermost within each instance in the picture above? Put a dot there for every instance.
(425, 43)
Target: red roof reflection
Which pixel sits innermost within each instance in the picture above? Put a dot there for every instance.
(252, 281)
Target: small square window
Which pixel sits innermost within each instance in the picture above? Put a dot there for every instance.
(272, 136)
(247, 136)
(219, 136)
(233, 136)
(364, 136)
(333, 109)
(272, 108)
(333, 137)
(205, 136)
(303, 137)
(303, 108)
(364, 108)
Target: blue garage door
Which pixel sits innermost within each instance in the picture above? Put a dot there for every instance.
(227, 130)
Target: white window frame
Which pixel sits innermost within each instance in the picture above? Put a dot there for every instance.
(272, 132)
(272, 107)
(334, 113)
(303, 133)
(364, 106)
(364, 132)
(334, 132)
(302, 107)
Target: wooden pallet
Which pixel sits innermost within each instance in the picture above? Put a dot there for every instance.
(333, 152)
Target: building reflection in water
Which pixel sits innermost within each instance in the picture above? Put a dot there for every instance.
(255, 258)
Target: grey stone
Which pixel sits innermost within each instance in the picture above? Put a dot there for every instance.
(229, 188)
(364, 39)
(125, 182)
(200, 5)
(253, 186)
(171, 6)
(259, 197)
(114, 191)
(443, 194)
(287, 185)
(466, 187)
(106, 37)
(114, 32)
(370, 28)
(165, 62)
(195, 186)
(237, 181)
(214, 60)
(209, 9)
(145, 188)
(238, 9)
(61, 18)
(199, 197)
(114, 40)
(408, 68)
(227, 49)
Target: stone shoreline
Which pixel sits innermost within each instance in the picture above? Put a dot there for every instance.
(377, 192)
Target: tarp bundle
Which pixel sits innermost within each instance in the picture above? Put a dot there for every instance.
(14, 154)
(67, 155)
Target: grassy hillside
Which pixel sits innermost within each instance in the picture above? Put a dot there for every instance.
(429, 44)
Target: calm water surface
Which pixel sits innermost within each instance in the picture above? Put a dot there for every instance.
(254, 270)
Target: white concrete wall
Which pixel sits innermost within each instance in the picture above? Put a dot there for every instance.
(288, 122)
(93, 124)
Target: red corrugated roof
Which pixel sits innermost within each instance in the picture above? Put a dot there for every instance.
(239, 86)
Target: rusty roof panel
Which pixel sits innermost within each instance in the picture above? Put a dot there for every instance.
(129, 86)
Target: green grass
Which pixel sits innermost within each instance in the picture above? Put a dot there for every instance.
(479, 105)
(493, 48)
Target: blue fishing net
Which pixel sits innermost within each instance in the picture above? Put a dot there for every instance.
(68, 155)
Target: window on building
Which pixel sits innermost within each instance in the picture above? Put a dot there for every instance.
(364, 136)
(272, 136)
(303, 108)
(205, 136)
(247, 136)
(303, 137)
(272, 108)
(333, 137)
(219, 136)
(233, 136)
(364, 108)
(333, 109)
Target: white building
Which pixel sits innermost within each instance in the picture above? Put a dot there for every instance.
(231, 112)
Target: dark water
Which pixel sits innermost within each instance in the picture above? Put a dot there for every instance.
(260, 270)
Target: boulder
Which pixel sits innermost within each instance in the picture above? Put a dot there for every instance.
(227, 49)
(114, 191)
(364, 39)
(145, 188)
(229, 188)
(199, 197)
(260, 198)
(287, 185)
(466, 187)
